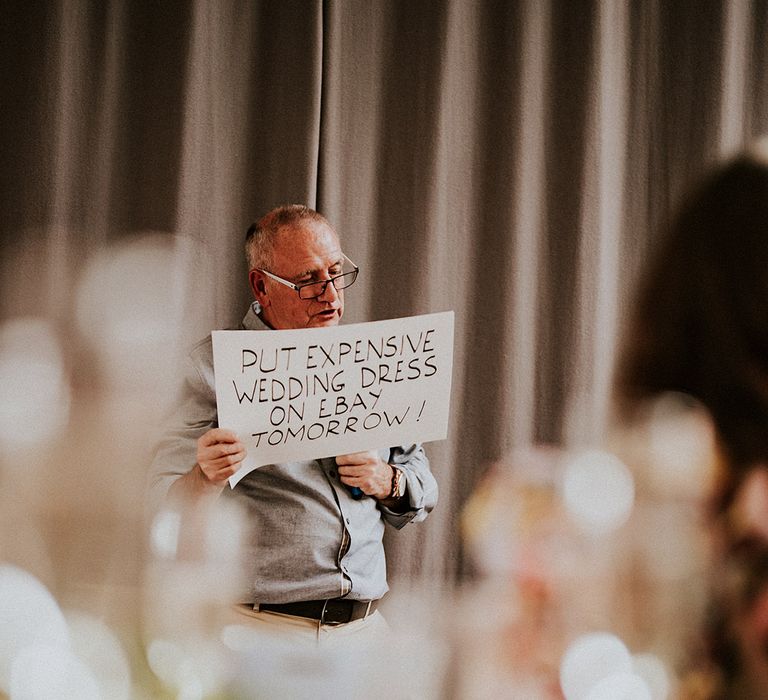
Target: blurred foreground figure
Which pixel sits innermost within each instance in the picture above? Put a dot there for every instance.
(638, 568)
(700, 330)
(314, 561)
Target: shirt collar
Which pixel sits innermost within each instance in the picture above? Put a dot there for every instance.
(252, 321)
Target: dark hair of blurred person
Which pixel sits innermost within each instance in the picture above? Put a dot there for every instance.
(700, 327)
(701, 318)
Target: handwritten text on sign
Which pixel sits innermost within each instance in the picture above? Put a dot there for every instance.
(304, 394)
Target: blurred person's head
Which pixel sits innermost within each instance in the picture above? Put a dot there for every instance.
(700, 328)
(292, 254)
(700, 323)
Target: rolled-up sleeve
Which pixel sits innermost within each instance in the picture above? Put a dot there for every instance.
(421, 485)
(176, 452)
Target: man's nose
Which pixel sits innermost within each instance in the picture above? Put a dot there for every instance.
(330, 293)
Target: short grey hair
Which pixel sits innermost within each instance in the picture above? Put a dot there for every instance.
(261, 235)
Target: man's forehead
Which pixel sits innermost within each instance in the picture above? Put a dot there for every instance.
(302, 232)
(312, 244)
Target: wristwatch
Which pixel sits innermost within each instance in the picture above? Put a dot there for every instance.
(399, 483)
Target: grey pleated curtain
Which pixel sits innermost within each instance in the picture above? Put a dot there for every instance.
(511, 161)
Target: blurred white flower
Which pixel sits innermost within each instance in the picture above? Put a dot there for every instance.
(35, 398)
(598, 491)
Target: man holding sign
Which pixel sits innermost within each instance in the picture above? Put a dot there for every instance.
(316, 556)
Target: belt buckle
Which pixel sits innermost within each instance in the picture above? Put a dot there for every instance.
(335, 613)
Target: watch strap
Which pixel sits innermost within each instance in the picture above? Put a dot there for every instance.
(398, 483)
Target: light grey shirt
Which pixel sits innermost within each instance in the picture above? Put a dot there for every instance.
(309, 538)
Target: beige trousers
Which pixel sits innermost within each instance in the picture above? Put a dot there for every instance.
(282, 656)
(247, 626)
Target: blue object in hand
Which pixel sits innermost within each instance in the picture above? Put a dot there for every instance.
(357, 493)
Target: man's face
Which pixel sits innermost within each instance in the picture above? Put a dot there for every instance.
(307, 253)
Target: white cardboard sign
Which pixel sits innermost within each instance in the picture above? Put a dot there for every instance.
(293, 395)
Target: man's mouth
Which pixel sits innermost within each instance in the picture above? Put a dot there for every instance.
(327, 314)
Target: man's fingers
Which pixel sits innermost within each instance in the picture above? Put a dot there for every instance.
(372, 476)
(223, 449)
(219, 454)
(357, 458)
(217, 475)
(217, 458)
(352, 470)
(225, 457)
(220, 470)
(217, 435)
(225, 472)
(220, 447)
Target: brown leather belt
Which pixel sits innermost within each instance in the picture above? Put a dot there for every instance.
(333, 611)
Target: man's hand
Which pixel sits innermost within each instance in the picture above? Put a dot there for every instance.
(367, 472)
(219, 454)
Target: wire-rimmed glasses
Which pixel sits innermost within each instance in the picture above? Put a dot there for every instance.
(313, 290)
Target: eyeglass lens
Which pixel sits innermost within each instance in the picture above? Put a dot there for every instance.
(316, 289)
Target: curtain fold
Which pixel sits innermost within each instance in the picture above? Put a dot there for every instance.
(511, 161)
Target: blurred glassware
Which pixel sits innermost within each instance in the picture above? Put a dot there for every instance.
(575, 542)
(46, 654)
(130, 308)
(35, 388)
(29, 616)
(194, 572)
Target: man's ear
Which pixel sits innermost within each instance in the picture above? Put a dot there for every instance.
(258, 287)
